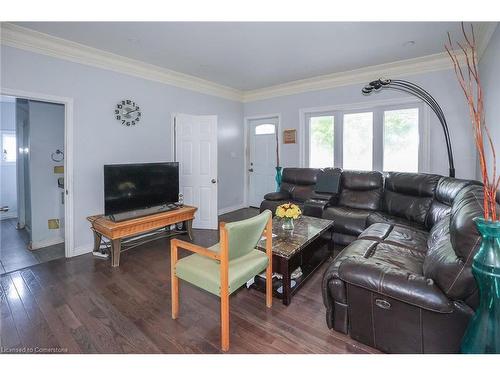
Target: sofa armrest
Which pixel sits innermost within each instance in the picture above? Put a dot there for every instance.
(314, 207)
(277, 196)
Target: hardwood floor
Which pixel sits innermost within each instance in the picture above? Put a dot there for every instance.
(82, 305)
(14, 254)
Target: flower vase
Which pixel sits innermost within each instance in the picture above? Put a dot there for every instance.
(483, 332)
(278, 178)
(287, 223)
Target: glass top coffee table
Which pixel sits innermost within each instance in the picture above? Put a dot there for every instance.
(307, 246)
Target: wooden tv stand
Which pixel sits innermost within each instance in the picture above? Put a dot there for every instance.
(116, 231)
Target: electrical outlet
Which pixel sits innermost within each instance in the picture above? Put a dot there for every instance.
(53, 223)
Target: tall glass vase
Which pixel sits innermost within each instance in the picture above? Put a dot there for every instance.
(483, 333)
(278, 178)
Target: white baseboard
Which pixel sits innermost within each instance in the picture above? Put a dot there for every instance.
(45, 243)
(225, 210)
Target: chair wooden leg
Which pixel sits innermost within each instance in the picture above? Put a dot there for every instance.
(174, 282)
(269, 285)
(224, 317)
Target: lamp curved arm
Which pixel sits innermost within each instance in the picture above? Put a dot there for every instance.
(422, 94)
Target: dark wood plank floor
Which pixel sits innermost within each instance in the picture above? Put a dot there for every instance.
(82, 305)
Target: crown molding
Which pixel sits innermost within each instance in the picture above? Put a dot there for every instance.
(398, 69)
(34, 41)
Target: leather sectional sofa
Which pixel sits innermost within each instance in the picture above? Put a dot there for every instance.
(403, 281)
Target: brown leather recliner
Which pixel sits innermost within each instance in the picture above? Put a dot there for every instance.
(406, 286)
(403, 283)
(297, 186)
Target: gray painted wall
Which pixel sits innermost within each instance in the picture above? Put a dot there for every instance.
(8, 193)
(489, 69)
(46, 134)
(100, 139)
(442, 85)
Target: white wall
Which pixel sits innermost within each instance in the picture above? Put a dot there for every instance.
(100, 139)
(489, 69)
(441, 84)
(46, 134)
(8, 194)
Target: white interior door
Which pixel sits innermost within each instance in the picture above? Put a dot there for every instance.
(196, 151)
(262, 159)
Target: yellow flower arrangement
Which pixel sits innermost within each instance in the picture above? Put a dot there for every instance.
(288, 211)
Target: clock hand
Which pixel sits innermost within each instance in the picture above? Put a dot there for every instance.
(132, 111)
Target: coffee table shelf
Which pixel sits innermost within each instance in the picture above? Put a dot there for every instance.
(308, 246)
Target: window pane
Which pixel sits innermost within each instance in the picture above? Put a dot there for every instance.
(401, 140)
(264, 129)
(321, 141)
(9, 147)
(358, 141)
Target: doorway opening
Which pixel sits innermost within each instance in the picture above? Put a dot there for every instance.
(262, 154)
(32, 196)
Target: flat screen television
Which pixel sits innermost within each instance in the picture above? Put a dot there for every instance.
(129, 187)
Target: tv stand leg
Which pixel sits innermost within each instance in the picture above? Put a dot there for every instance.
(97, 241)
(189, 228)
(115, 252)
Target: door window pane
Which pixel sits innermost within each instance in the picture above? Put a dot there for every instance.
(321, 141)
(401, 140)
(358, 141)
(264, 129)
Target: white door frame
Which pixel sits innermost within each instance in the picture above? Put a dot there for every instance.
(246, 140)
(69, 248)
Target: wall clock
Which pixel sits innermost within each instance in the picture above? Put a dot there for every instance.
(128, 112)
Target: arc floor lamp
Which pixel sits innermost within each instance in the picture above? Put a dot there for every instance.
(419, 92)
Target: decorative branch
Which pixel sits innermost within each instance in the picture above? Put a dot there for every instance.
(467, 73)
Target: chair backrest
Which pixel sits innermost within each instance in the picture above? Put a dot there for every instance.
(361, 189)
(299, 182)
(409, 195)
(243, 236)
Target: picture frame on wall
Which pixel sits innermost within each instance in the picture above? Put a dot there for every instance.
(289, 136)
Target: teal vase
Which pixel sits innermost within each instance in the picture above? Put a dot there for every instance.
(278, 178)
(483, 333)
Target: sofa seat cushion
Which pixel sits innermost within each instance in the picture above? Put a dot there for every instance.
(347, 220)
(390, 270)
(398, 235)
(382, 217)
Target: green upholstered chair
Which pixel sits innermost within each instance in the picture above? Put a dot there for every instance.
(223, 268)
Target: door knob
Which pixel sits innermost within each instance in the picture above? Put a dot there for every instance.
(250, 170)
(214, 180)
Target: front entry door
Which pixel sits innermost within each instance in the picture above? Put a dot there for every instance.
(196, 151)
(262, 159)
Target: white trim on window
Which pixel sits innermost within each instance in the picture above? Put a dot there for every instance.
(378, 108)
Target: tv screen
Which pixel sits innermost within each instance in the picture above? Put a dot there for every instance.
(129, 187)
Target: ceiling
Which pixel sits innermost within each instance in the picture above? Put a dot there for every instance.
(254, 55)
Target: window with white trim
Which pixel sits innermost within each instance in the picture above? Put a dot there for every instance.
(8, 147)
(387, 138)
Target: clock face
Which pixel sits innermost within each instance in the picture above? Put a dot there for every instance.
(128, 113)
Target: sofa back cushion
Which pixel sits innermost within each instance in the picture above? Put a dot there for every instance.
(409, 195)
(299, 182)
(452, 243)
(446, 191)
(361, 190)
